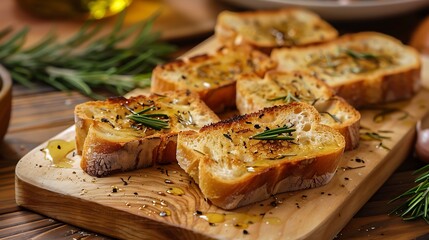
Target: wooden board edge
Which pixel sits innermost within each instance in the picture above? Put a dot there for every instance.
(108, 223)
(397, 156)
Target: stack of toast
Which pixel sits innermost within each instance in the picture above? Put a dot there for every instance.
(295, 86)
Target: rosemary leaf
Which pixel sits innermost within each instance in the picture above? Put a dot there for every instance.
(276, 134)
(84, 62)
(417, 203)
(287, 99)
(335, 118)
(150, 120)
(360, 55)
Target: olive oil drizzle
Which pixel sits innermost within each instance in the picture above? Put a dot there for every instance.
(239, 220)
(57, 150)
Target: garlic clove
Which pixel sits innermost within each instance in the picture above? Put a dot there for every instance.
(422, 143)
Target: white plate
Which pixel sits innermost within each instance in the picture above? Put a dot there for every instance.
(341, 9)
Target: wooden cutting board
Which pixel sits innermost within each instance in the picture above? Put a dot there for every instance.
(163, 202)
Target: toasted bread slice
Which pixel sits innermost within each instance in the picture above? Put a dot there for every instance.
(109, 141)
(279, 88)
(268, 29)
(211, 75)
(233, 166)
(363, 68)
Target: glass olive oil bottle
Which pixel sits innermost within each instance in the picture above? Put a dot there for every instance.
(92, 9)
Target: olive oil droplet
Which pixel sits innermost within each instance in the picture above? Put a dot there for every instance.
(56, 151)
(272, 220)
(213, 217)
(175, 191)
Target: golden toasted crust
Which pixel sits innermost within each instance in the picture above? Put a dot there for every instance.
(233, 168)
(109, 141)
(268, 29)
(212, 76)
(278, 88)
(363, 68)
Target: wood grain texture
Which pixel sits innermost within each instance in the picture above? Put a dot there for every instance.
(56, 192)
(19, 143)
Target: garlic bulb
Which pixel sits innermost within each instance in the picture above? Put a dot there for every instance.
(422, 143)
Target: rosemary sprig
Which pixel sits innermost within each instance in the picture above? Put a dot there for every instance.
(84, 62)
(367, 134)
(156, 121)
(386, 111)
(335, 118)
(417, 203)
(360, 55)
(276, 134)
(287, 99)
(379, 117)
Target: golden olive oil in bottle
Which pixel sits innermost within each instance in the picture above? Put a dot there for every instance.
(92, 9)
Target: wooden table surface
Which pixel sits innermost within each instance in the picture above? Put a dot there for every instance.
(40, 113)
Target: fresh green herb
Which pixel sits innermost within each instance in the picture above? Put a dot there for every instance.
(282, 156)
(381, 145)
(360, 55)
(336, 119)
(373, 136)
(276, 134)
(156, 121)
(417, 204)
(381, 116)
(287, 99)
(84, 62)
(368, 135)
